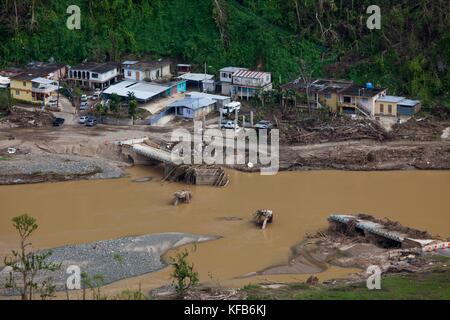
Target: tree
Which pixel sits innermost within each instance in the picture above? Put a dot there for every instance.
(5, 102)
(25, 265)
(183, 273)
(132, 105)
(114, 103)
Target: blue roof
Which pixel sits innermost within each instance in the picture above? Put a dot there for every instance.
(192, 103)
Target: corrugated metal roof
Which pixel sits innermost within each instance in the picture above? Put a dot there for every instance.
(192, 103)
(232, 69)
(409, 103)
(393, 99)
(196, 77)
(142, 91)
(250, 74)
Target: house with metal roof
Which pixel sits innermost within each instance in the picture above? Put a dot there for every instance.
(323, 92)
(145, 91)
(146, 70)
(226, 78)
(246, 83)
(191, 107)
(395, 106)
(94, 75)
(37, 83)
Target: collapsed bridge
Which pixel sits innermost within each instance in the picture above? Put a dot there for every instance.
(143, 152)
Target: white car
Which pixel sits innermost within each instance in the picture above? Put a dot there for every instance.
(52, 103)
(83, 105)
(83, 119)
(84, 98)
(229, 125)
(231, 108)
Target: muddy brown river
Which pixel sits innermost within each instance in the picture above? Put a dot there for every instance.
(85, 211)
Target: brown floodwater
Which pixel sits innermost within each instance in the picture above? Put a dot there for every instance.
(85, 211)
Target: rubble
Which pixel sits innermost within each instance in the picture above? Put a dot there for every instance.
(20, 117)
(263, 217)
(420, 129)
(182, 196)
(334, 129)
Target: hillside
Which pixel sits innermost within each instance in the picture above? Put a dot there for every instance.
(410, 54)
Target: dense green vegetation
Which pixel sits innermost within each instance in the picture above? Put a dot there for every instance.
(427, 286)
(410, 54)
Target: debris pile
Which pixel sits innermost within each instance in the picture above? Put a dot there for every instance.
(198, 175)
(182, 196)
(263, 217)
(422, 129)
(29, 119)
(334, 129)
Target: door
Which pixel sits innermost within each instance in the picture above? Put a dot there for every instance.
(138, 76)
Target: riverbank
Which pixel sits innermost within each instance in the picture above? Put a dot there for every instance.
(113, 260)
(25, 169)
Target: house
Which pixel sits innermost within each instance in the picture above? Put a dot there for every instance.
(191, 107)
(323, 92)
(6, 75)
(359, 98)
(94, 75)
(220, 100)
(348, 97)
(396, 106)
(146, 70)
(199, 81)
(226, 78)
(37, 83)
(145, 91)
(246, 83)
(182, 68)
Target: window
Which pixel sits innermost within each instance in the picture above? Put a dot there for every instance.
(328, 96)
(24, 84)
(390, 109)
(381, 108)
(95, 75)
(17, 93)
(347, 99)
(129, 73)
(365, 100)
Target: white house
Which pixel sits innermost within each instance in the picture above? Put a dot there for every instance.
(94, 75)
(226, 78)
(246, 83)
(146, 70)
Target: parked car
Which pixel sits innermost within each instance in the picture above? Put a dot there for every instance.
(229, 125)
(58, 122)
(52, 103)
(84, 105)
(91, 122)
(84, 98)
(96, 95)
(230, 108)
(83, 119)
(264, 124)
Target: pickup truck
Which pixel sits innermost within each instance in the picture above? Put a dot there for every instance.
(230, 108)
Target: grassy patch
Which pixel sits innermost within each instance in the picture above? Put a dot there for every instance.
(5, 158)
(423, 286)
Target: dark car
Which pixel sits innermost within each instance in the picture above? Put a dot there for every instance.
(263, 124)
(90, 122)
(58, 122)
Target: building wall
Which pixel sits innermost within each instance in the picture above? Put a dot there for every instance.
(21, 90)
(379, 111)
(330, 101)
(226, 88)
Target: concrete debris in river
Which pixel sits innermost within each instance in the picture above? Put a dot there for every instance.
(263, 217)
(182, 196)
